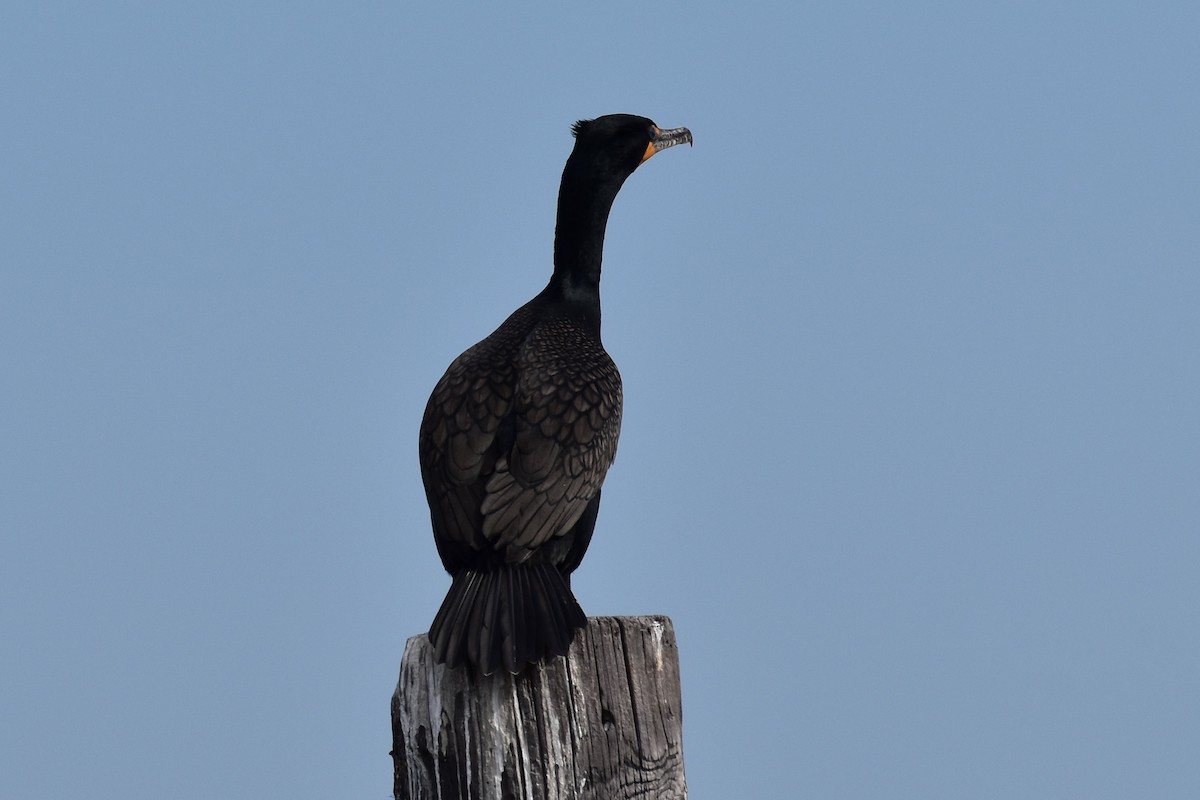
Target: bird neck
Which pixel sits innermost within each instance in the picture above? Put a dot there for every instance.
(584, 201)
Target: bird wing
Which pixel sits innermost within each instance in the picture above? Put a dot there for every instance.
(567, 418)
(464, 416)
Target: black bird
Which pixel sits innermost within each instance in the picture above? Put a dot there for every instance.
(520, 431)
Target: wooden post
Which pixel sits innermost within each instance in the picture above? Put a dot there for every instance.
(604, 722)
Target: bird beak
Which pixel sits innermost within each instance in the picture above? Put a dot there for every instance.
(666, 138)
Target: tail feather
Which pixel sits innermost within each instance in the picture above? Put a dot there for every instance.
(506, 617)
(452, 618)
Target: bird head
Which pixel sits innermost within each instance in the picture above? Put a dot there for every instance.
(621, 142)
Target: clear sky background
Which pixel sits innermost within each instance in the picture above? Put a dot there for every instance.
(910, 342)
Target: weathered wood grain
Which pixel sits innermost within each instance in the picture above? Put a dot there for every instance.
(603, 723)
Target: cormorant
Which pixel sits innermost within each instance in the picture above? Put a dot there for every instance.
(520, 431)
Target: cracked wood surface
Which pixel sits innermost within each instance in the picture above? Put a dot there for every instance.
(602, 723)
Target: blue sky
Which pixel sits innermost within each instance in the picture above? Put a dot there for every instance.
(911, 450)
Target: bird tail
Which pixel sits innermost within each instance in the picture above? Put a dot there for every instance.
(506, 616)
